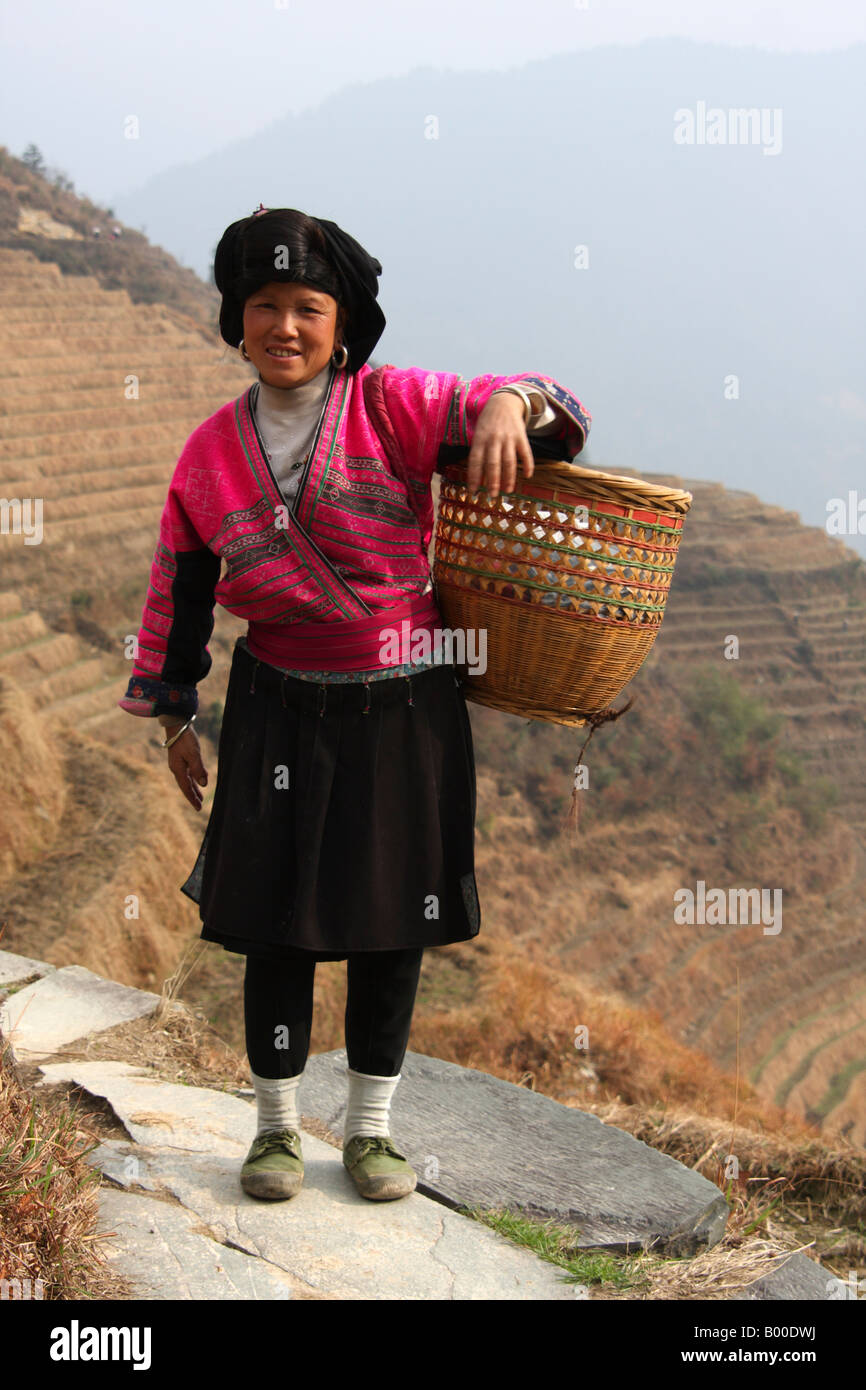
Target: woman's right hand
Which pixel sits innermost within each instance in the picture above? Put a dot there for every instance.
(184, 760)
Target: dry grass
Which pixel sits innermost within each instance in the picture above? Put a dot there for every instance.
(33, 790)
(828, 1179)
(714, 1275)
(49, 1197)
(765, 1227)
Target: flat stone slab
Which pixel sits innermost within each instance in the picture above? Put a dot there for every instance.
(161, 1250)
(162, 1114)
(191, 1144)
(334, 1241)
(66, 1005)
(477, 1141)
(799, 1277)
(14, 968)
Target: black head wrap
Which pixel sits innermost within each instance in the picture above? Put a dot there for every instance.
(245, 260)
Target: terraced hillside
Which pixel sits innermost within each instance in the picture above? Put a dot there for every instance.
(99, 463)
(796, 599)
(76, 842)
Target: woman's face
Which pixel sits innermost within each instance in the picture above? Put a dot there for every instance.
(284, 317)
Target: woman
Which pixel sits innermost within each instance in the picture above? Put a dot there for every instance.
(342, 825)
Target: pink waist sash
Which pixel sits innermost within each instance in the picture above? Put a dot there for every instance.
(351, 645)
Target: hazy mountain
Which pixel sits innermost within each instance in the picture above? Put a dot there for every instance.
(705, 261)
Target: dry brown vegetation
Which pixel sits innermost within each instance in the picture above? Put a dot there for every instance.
(48, 1197)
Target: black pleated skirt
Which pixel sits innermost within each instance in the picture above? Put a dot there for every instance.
(337, 828)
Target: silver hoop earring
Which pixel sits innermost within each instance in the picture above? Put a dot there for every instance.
(345, 356)
(243, 352)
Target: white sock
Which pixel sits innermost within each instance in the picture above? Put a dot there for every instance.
(277, 1102)
(369, 1103)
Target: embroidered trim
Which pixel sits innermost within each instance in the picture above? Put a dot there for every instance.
(565, 400)
(340, 595)
(145, 694)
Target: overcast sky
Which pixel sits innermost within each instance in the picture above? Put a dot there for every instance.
(200, 73)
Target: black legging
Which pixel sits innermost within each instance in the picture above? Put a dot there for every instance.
(380, 1000)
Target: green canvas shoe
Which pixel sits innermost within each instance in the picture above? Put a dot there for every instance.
(379, 1171)
(274, 1166)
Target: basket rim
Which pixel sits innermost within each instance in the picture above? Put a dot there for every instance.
(574, 477)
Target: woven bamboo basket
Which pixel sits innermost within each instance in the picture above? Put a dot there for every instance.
(569, 576)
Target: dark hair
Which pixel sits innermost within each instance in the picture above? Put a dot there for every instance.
(247, 255)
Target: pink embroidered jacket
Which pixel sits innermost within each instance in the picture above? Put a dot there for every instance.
(353, 548)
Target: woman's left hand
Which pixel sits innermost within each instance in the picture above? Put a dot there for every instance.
(500, 438)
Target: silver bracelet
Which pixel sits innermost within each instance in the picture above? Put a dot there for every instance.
(528, 412)
(167, 743)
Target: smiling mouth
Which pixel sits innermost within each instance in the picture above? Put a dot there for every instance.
(282, 353)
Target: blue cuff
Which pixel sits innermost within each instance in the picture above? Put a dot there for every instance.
(150, 697)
